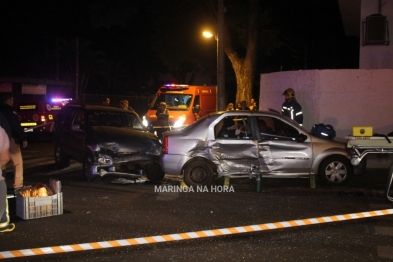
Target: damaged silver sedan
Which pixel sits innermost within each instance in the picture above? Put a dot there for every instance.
(238, 143)
(108, 141)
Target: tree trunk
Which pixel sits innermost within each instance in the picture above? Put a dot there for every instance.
(245, 67)
(244, 79)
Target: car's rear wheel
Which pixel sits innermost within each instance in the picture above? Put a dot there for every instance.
(335, 170)
(61, 159)
(154, 172)
(198, 173)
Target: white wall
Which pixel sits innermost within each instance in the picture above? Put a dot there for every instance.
(376, 56)
(342, 98)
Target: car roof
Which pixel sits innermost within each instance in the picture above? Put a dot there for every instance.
(93, 107)
(248, 112)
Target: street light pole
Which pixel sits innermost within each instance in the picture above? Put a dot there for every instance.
(220, 58)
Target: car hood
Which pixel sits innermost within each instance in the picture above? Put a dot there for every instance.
(124, 139)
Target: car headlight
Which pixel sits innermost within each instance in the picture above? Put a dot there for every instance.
(104, 159)
(180, 121)
(154, 152)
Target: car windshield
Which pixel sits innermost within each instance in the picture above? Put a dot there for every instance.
(115, 119)
(176, 102)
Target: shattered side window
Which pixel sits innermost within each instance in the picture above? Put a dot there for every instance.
(233, 128)
(281, 130)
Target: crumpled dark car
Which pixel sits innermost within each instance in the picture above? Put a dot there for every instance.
(108, 141)
(243, 143)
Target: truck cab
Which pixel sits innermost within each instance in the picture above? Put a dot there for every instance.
(185, 103)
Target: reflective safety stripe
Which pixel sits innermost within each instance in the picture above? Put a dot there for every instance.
(299, 113)
(191, 235)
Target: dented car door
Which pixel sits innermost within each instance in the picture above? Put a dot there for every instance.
(280, 149)
(234, 149)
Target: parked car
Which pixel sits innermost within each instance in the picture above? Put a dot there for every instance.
(109, 141)
(232, 143)
(36, 115)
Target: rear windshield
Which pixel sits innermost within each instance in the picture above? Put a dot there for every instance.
(115, 119)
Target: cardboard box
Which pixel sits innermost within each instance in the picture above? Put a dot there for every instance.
(362, 131)
(37, 207)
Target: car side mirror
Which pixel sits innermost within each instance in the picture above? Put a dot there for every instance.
(301, 138)
(196, 109)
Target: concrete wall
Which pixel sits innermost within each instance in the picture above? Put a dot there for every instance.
(376, 56)
(342, 98)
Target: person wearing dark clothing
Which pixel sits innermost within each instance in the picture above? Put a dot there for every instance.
(244, 106)
(4, 124)
(291, 108)
(18, 138)
(162, 114)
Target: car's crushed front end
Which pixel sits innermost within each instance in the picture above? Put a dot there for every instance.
(122, 152)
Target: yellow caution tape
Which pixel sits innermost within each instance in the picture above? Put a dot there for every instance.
(189, 235)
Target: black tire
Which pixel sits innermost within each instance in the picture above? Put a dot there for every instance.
(61, 159)
(87, 161)
(154, 172)
(335, 170)
(198, 173)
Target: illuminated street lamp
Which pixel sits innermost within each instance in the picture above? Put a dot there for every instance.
(220, 57)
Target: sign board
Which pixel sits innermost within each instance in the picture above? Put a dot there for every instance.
(34, 89)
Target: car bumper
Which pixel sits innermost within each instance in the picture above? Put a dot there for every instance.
(133, 167)
(173, 164)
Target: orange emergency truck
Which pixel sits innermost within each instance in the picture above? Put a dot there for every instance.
(185, 103)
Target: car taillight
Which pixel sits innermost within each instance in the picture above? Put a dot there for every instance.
(43, 118)
(165, 145)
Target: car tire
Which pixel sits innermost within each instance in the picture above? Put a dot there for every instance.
(87, 160)
(154, 172)
(335, 170)
(198, 173)
(61, 158)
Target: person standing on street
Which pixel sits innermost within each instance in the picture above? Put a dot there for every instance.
(106, 101)
(5, 225)
(18, 138)
(291, 108)
(230, 107)
(243, 105)
(162, 114)
(253, 104)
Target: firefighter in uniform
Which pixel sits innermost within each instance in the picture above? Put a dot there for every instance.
(291, 108)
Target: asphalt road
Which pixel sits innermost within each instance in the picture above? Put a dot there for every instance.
(104, 211)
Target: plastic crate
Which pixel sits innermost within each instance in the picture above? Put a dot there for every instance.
(37, 207)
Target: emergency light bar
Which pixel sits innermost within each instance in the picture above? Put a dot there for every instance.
(173, 87)
(61, 99)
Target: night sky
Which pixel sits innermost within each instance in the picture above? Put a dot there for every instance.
(312, 34)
